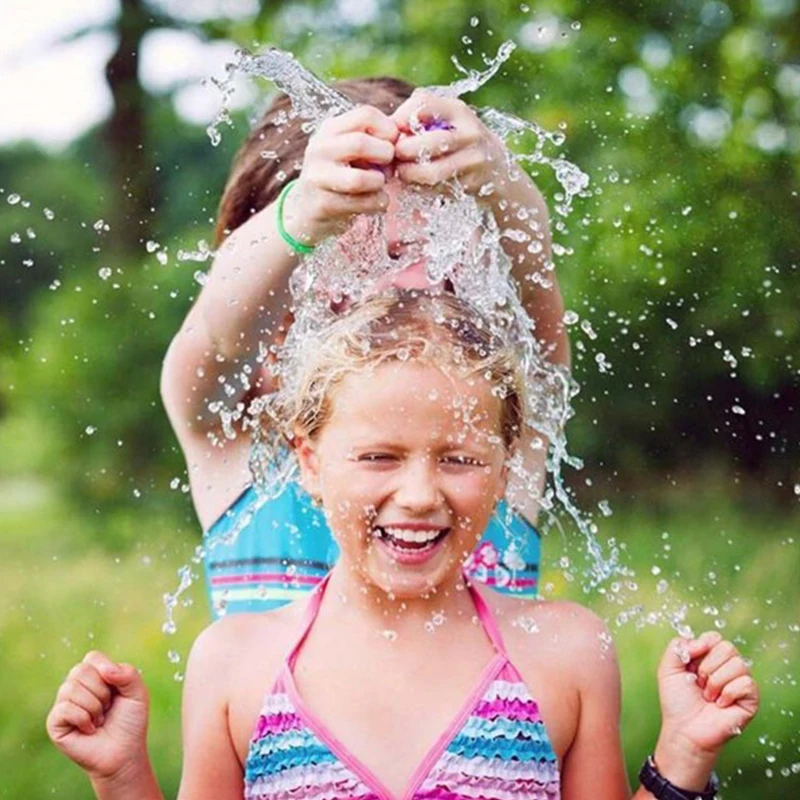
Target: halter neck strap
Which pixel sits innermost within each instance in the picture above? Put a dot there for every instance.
(312, 609)
(487, 618)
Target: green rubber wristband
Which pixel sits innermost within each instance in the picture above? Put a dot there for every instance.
(287, 237)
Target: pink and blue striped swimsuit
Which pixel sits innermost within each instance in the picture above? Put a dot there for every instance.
(496, 748)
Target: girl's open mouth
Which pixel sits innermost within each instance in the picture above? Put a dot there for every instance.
(410, 546)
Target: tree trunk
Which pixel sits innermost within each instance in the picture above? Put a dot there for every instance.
(132, 178)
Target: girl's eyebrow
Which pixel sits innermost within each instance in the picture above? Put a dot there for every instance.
(377, 444)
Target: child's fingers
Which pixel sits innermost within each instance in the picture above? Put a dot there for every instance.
(742, 690)
(126, 680)
(426, 107)
(88, 675)
(65, 717)
(363, 118)
(73, 691)
(458, 164)
(719, 654)
(349, 181)
(433, 144)
(730, 670)
(358, 146)
(680, 653)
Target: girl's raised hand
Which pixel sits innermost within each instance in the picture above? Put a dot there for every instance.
(442, 138)
(343, 174)
(99, 719)
(707, 693)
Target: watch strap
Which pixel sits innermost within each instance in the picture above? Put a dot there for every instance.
(655, 783)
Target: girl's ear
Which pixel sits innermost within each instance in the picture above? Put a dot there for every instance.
(308, 460)
(502, 483)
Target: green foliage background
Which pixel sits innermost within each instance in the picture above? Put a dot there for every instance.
(681, 261)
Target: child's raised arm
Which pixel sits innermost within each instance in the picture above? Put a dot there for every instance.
(247, 290)
(460, 146)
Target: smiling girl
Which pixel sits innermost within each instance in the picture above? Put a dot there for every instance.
(398, 677)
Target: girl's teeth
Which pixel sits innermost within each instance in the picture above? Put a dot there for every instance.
(416, 537)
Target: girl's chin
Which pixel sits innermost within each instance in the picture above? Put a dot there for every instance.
(412, 574)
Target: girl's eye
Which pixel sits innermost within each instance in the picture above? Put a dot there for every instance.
(376, 457)
(465, 461)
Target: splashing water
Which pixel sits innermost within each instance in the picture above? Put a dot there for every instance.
(462, 246)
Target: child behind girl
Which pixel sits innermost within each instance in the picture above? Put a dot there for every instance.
(261, 554)
(398, 677)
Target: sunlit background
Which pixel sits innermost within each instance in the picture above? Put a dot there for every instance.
(679, 265)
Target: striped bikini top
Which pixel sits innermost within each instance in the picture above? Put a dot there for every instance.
(496, 747)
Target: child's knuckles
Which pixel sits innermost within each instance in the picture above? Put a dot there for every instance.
(714, 686)
(353, 181)
(94, 660)
(360, 144)
(738, 666)
(370, 117)
(724, 649)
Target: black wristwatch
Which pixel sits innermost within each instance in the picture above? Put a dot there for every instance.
(661, 788)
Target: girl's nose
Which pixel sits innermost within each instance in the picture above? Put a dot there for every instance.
(417, 490)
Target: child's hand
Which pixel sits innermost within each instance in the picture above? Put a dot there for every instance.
(343, 175)
(445, 139)
(99, 719)
(707, 693)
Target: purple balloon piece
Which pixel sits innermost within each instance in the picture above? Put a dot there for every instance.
(436, 124)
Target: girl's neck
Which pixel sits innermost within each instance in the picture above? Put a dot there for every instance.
(366, 604)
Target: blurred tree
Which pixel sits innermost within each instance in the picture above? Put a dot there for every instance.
(132, 177)
(681, 259)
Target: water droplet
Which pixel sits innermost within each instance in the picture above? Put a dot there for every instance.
(737, 409)
(570, 317)
(13, 199)
(474, 22)
(104, 273)
(48, 213)
(152, 246)
(174, 656)
(389, 635)
(576, 26)
(90, 430)
(586, 327)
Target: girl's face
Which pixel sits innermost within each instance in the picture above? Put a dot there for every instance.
(408, 467)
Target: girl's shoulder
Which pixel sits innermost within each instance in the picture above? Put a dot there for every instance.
(239, 648)
(560, 633)
(563, 653)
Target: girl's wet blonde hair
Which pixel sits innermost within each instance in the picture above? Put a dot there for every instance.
(404, 325)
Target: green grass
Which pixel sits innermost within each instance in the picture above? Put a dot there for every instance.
(62, 595)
